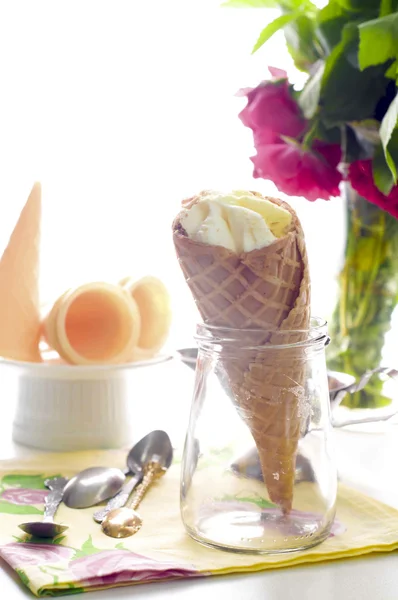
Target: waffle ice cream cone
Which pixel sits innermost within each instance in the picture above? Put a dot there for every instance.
(19, 285)
(266, 289)
(153, 301)
(96, 323)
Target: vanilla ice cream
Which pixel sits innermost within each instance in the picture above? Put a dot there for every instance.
(240, 221)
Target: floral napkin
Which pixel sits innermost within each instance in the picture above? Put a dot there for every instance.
(84, 559)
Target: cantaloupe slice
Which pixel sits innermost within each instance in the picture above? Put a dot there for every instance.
(19, 285)
(153, 301)
(96, 323)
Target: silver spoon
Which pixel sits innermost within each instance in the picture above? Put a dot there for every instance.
(92, 486)
(153, 444)
(47, 528)
(126, 521)
(357, 386)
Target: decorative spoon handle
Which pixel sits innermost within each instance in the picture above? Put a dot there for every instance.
(153, 470)
(54, 498)
(119, 500)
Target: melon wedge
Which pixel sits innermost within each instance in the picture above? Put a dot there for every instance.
(19, 285)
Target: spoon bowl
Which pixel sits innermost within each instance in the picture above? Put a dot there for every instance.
(122, 522)
(92, 486)
(155, 444)
(43, 530)
(47, 528)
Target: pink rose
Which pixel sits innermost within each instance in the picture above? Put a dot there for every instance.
(24, 496)
(278, 131)
(360, 175)
(299, 172)
(117, 566)
(271, 110)
(21, 554)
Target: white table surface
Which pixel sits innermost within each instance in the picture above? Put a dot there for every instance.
(366, 460)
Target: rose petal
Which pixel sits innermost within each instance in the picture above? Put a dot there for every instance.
(272, 112)
(360, 175)
(297, 172)
(277, 73)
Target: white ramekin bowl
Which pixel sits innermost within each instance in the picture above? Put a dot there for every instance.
(63, 407)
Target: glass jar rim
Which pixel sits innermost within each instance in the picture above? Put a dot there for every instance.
(214, 335)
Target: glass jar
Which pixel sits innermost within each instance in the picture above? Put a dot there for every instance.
(258, 472)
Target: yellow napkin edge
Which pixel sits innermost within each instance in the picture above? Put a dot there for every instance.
(301, 560)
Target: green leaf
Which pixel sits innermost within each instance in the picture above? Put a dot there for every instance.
(389, 122)
(387, 127)
(302, 42)
(382, 175)
(23, 576)
(33, 482)
(386, 8)
(331, 11)
(272, 28)
(19, 509)
(348, 94)
(87, 549)
(121, 546)
(360, 5)
(72, 589)
(305, 6)
(332, 135)
(32, 539)
(378, 41)
(329, 32)
(309, 97)
(58, 540)
(251, 4)
(384, 164)
(367, 130)
(258, 501)
(391, 164)
(349, 35)
(331, 21)
(392, 71)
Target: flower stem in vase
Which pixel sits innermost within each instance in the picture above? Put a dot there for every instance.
(368, 295)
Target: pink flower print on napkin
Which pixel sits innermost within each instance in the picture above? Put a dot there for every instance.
(118, 566)
(24, 496)
(338, 528)
(20, 555)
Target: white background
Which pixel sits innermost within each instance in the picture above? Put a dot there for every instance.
(121, 109)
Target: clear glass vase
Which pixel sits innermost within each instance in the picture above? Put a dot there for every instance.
(258, 472)
(368, 295)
